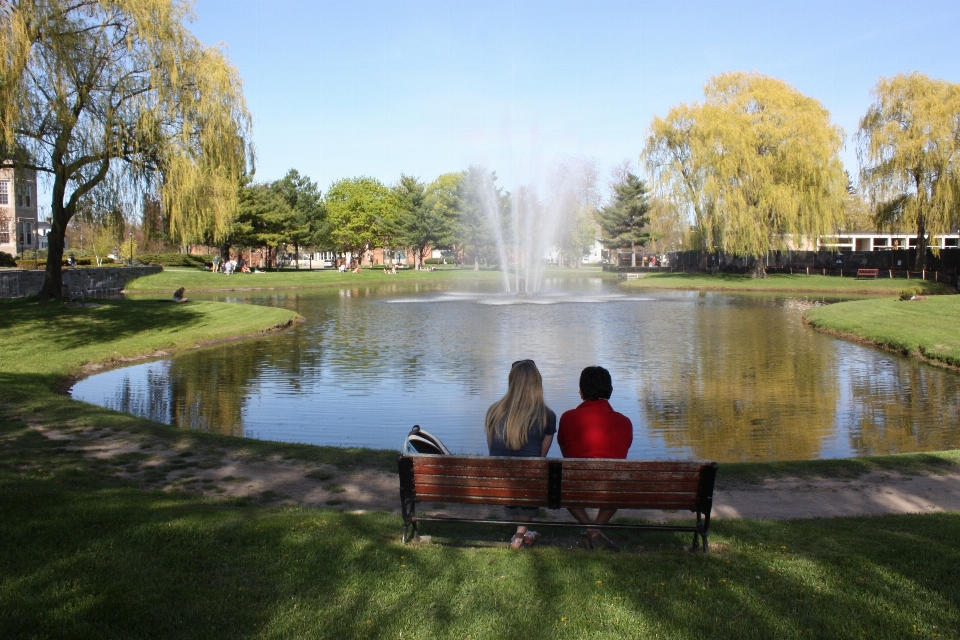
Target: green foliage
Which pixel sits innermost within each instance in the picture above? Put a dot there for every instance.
(362, 213)
(176, 259)
(624, 221)
(753, 168)
(909, 148)
(7, 260)
(307, 225)
(910, 292)
(264, 218)
(428, 212)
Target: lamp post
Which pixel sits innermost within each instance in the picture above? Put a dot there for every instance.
(131, 248)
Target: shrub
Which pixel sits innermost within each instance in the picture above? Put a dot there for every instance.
(7, 260)
(28, 263)
(910, 292)
(176, 259)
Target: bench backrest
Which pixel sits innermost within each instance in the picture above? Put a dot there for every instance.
(553, 482)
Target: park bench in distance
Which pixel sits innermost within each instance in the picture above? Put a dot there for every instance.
(557, 483)
(868, 273)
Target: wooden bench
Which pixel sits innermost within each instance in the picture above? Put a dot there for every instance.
(557, 483)
(868, 273)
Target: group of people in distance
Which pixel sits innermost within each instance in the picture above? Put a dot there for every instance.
(521, 424)
(229, 266)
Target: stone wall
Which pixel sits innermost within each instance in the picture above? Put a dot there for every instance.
(100, 281)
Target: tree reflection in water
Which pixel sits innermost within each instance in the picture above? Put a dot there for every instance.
(725, 377)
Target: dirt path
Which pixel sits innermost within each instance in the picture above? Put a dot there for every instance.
(224, 472)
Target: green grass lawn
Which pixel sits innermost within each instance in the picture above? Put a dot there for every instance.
(788, 283)
(928, 327)
(86, 553)
(195, 280)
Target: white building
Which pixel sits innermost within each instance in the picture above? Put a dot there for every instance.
(882, 241)
(18, 210)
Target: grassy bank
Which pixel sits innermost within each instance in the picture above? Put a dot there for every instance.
(786, 283)
(922, 327)
(170, 280)
(87, 552)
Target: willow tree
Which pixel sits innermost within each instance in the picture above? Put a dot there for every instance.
(120, 91)
(909, 147)
(756, 166)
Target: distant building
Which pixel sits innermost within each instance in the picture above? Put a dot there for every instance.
(18, 210)
(883, 241)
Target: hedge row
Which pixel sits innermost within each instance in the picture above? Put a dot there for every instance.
(175, 259)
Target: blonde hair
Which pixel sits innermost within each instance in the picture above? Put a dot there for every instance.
(510, 417)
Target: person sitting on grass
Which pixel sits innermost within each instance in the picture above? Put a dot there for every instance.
(521, 424)
(178, 295)
(594, 430)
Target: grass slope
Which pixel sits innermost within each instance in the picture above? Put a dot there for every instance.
(55, 339)
(925, 327)
(788, 283)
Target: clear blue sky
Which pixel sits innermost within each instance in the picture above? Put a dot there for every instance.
(347, 88)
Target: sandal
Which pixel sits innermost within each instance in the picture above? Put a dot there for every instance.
(530, 537)
(516, 542)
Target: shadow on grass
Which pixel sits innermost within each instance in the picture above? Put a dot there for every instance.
(85, 555)
(72, 327)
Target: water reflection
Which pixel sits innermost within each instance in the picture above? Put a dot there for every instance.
(703, 375)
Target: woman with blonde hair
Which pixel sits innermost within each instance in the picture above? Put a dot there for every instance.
(521, 424)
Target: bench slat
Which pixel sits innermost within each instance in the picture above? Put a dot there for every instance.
(491, 500)
(539, 475)
(634, 501)
(576, 464)
(685, 485)
(591, 475)
(426, 482)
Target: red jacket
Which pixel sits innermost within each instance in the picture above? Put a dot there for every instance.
(594, 430)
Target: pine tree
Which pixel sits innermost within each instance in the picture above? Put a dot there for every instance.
(625, 219)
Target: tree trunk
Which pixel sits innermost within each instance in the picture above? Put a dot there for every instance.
(225, 252)
(53, 274)
(59, 219)
(633, 255)
(759, 270)
(296, 256)
(921, 260)
(476, 263)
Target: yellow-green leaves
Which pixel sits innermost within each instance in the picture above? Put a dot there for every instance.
(909, 146)
(96, 90)
(755, 167)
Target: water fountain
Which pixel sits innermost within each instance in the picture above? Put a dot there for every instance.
(534, 228)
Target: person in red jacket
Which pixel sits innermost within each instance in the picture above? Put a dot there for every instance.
(594, 430)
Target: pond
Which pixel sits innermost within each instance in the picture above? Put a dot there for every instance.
(701, 375)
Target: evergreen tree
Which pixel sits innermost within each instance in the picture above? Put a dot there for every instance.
(624, 220)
